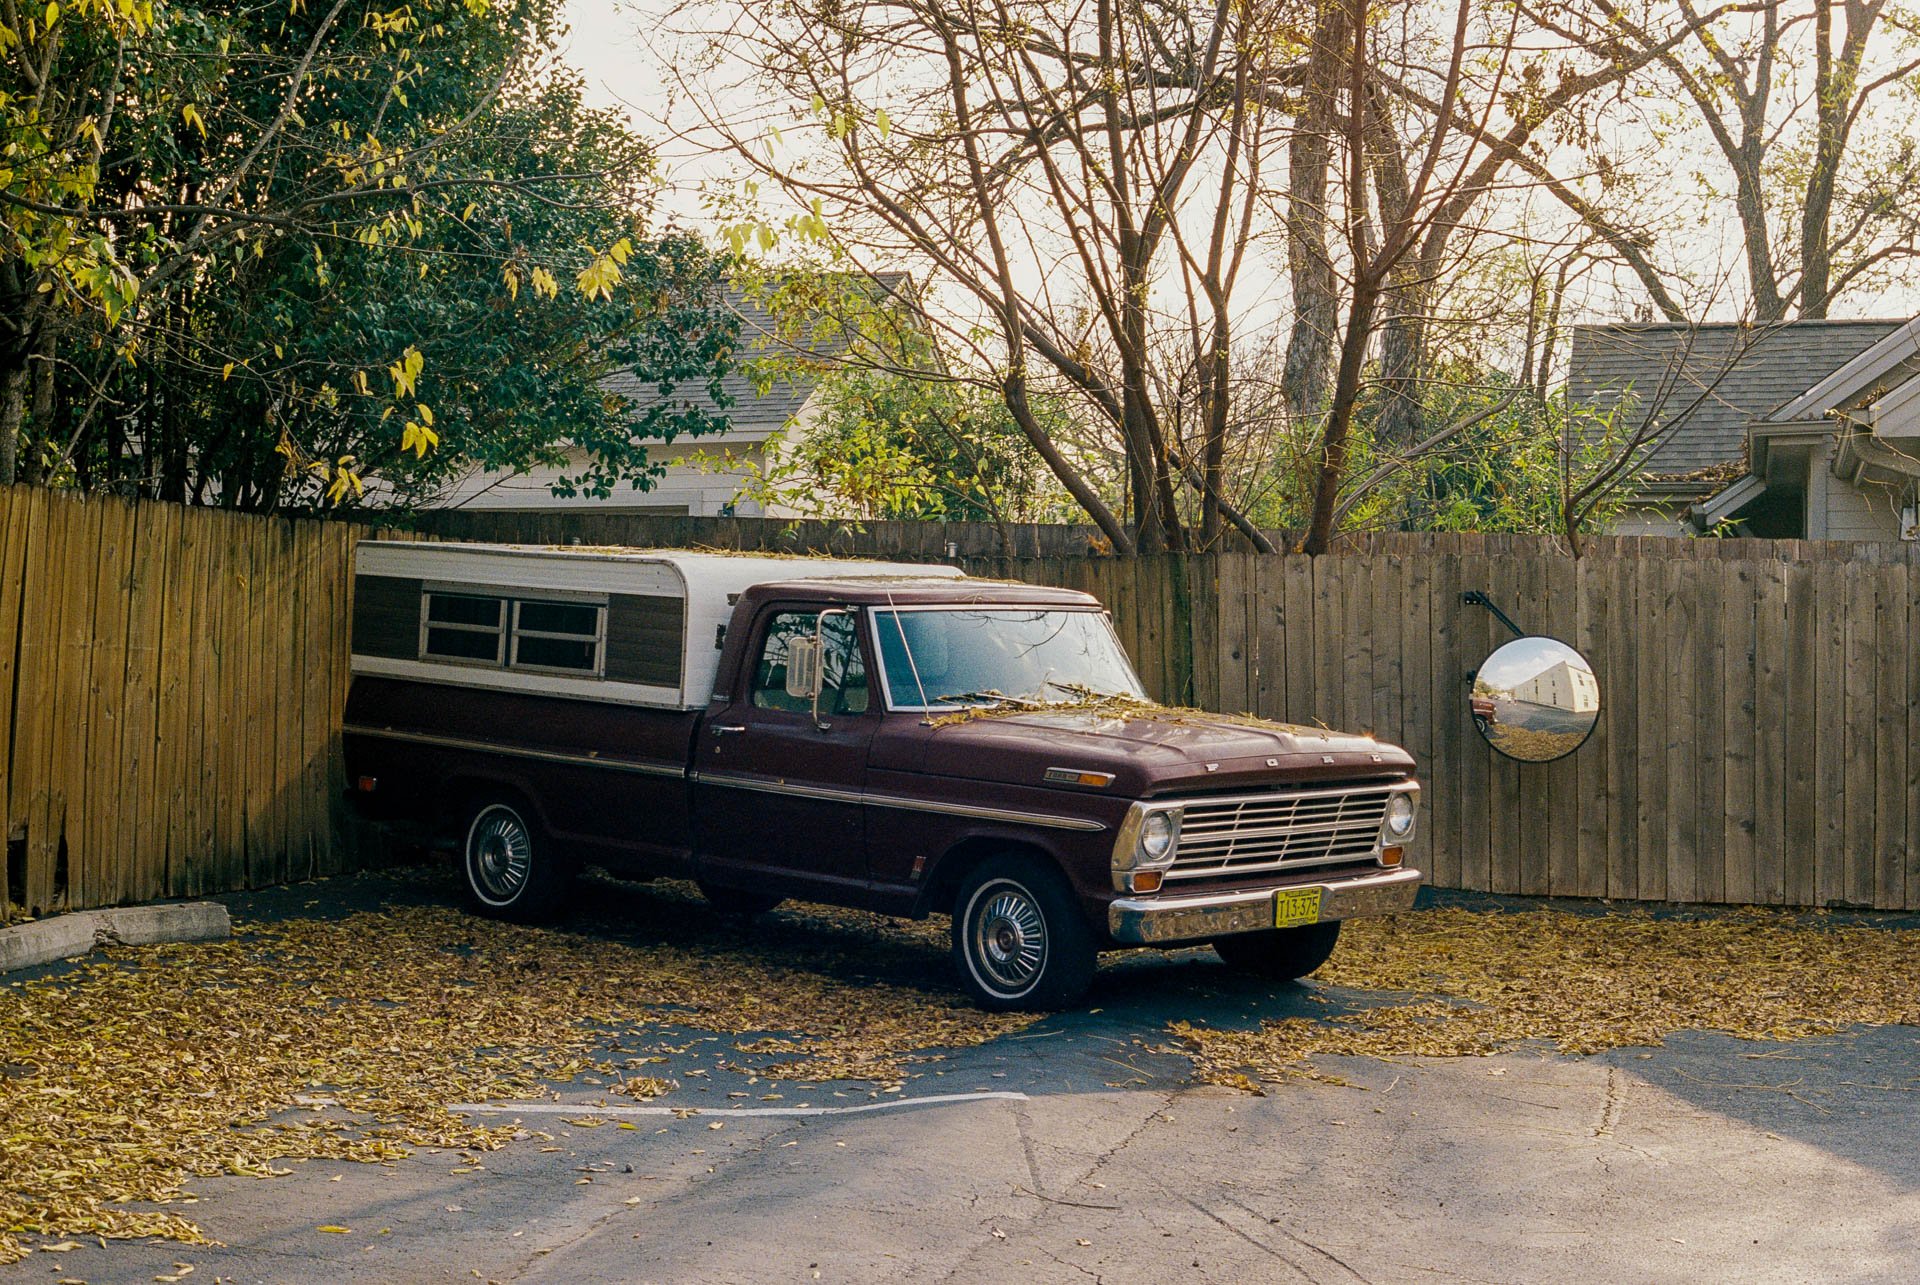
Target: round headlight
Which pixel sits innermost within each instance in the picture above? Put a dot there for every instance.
(1156, 835)
(1400, 816)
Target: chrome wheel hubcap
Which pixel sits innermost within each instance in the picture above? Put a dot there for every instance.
(499, 854)
(1009, 939)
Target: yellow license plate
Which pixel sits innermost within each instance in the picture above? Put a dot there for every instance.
(1295, 906)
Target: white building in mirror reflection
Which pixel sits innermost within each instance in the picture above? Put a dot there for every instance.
(1564, 686)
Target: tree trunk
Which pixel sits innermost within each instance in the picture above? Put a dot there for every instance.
(1333, 443)
(13, 414)
(40, 376)
(1403, 327)
(1303, 377)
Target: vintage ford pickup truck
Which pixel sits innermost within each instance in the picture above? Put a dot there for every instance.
(894, 737)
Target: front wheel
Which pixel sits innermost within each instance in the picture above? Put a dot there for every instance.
(512, 871)
(1019, 939)
(1280, 954)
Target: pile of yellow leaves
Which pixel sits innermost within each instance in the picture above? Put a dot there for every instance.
(1474, 983)
(122, 1080)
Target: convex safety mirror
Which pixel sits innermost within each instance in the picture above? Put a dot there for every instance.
(1535, 700)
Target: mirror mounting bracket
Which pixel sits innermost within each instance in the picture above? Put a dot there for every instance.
(1477, 598)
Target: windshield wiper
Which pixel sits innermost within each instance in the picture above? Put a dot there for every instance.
(1084, 692)
(991, 697)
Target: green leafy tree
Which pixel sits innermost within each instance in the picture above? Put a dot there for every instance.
(341, 252)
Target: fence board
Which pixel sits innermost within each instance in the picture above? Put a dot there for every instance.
(1737, 640)
(1830, 717)
(1891, 643)
(1708, 580)
(1592, 640)
(1620, 710)
(1770, 773)
(1862, 682)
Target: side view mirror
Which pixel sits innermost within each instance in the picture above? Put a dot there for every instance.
(803, 668)
(1535, 700)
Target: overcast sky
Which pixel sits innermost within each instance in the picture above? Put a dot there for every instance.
(624, 53)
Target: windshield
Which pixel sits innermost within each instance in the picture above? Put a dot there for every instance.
(978, 655)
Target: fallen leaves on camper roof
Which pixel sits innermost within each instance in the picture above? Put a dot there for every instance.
(1472, 983)
(346, 1038)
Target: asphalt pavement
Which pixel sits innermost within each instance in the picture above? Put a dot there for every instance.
(1080, 1151)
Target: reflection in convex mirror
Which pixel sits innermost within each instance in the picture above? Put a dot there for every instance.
(1535, 700)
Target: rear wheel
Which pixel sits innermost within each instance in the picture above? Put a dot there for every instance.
(1280, 954)
(511, 868)
(738, 901)
(1019, 939)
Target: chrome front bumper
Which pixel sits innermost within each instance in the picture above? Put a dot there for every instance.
(1142, 921)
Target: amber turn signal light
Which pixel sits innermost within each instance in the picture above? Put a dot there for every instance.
(1144, 881)
(1392, 856)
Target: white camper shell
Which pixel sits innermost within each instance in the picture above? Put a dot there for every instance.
(631, 626)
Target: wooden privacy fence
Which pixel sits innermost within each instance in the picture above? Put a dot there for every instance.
(172, 680)
(1759, 738)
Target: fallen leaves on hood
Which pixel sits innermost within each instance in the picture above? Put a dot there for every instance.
(125, 1078)
(1472, 983)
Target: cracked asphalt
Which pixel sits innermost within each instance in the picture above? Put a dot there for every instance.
(1098, 1160)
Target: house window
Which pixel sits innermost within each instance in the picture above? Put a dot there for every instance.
(512, 633)
(464, 627)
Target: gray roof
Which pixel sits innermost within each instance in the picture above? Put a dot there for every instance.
(749, 410)
(1708, 381)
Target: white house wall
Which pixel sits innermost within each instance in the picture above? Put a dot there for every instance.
(686, 488)
(1839, 510)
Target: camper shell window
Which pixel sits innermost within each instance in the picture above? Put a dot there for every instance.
(513, 633)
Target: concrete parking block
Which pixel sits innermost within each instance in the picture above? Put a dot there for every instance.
(46, 941)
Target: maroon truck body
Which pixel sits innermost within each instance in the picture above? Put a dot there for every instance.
(896, 809)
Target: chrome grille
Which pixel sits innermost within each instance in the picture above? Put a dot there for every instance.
(1250, 833)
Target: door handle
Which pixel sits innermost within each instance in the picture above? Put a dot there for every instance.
(729, 729)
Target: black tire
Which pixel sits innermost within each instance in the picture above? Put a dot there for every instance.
(1280, 954)
(1019, 939)
(510, 866)
(738, 901)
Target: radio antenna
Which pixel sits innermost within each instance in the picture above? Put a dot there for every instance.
(907, 647)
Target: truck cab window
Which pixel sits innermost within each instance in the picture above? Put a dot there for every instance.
(845, 684)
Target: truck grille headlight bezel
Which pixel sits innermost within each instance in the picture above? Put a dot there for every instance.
(1402, 813)
(1148, 841)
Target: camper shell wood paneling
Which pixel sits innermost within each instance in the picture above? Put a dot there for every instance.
(630, 626)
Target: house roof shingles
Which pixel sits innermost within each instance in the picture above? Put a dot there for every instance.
(1743, 371)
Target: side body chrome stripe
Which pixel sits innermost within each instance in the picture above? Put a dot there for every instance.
(765, 786)
(736, 782)
(518, 751)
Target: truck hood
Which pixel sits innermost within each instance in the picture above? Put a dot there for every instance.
(1150, 752)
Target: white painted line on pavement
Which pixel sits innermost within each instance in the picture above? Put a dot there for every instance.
(562, 1108)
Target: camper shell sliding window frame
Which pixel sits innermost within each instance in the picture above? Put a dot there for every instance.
(508, 632)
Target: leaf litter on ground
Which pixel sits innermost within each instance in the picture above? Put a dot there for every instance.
(130, 1076)
(1472, 983)
(133, 1074)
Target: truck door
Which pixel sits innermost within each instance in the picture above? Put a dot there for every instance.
(777, 796)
